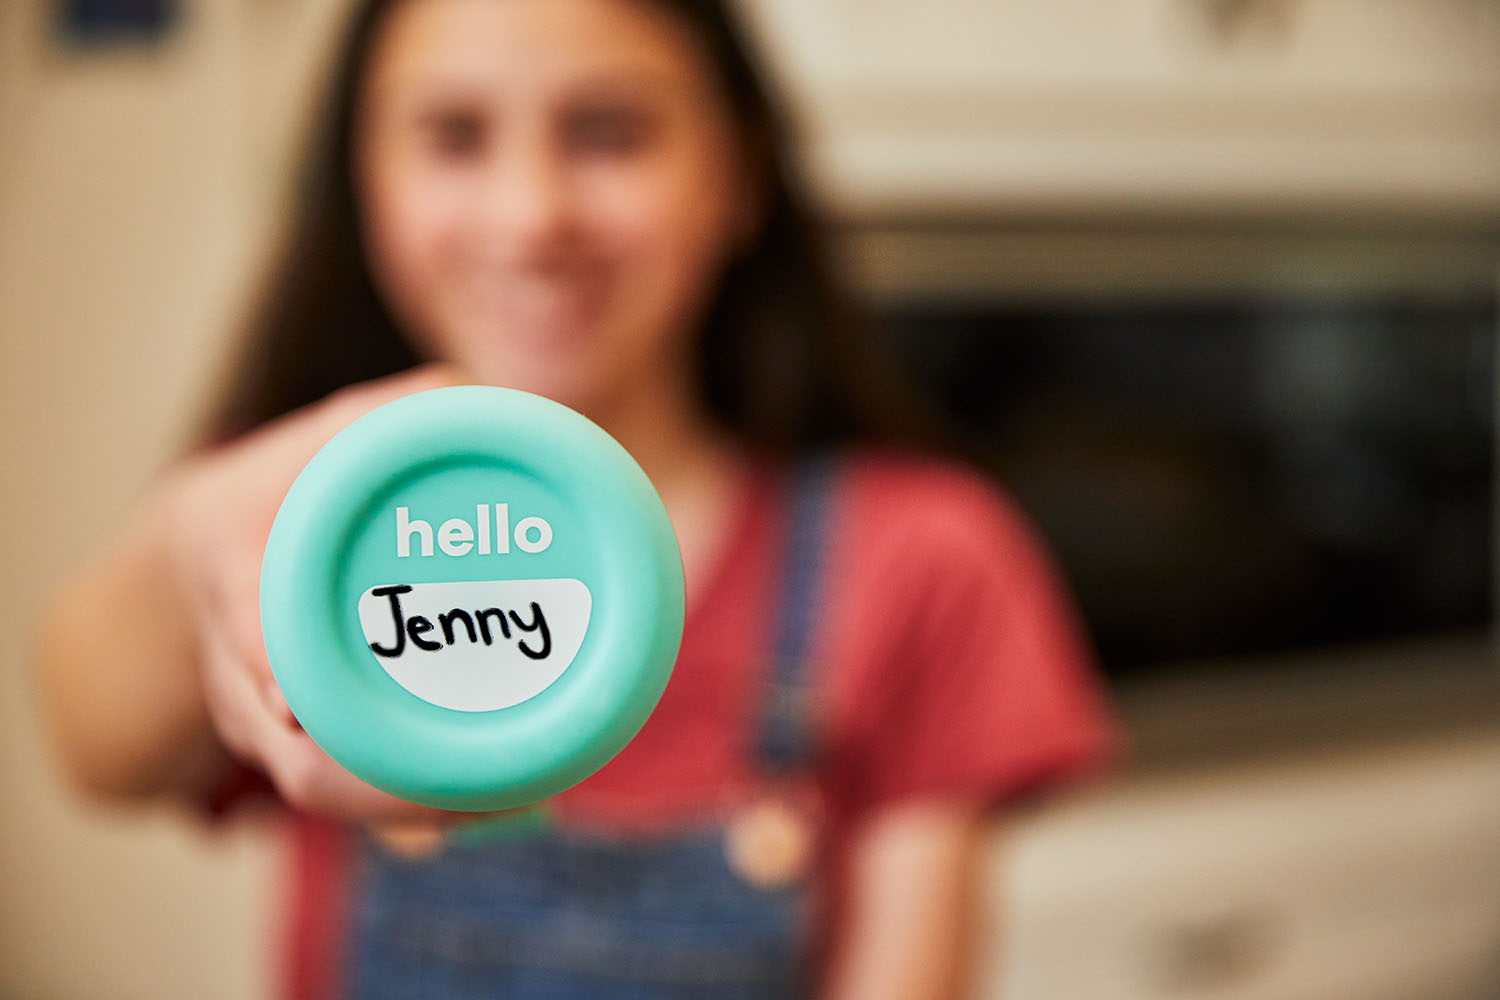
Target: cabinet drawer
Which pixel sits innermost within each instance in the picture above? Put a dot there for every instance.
(1359, 878)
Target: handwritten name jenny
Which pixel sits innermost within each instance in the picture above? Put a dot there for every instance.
(480, 626)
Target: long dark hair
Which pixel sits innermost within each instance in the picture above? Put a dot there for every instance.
(784, 362)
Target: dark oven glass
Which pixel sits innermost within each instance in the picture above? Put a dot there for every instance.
(1232, 478)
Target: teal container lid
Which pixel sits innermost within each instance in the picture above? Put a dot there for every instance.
(472, 598)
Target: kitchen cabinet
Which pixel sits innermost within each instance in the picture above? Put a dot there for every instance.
(1178, 107)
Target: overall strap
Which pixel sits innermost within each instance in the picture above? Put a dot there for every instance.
(787, 736)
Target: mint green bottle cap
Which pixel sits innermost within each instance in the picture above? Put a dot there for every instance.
(472, 598)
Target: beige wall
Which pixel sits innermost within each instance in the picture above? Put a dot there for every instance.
(130, 210)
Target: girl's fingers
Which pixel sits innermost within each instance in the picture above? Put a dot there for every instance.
(228, 613)
(232, 695)
(255, 725)
(310, 780)
(276, 705)
(241, 486)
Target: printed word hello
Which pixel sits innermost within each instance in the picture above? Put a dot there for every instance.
(457, 537)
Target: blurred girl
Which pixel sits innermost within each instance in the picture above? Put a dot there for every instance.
(591, 200)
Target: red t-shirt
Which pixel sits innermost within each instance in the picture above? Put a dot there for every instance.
(949, 664)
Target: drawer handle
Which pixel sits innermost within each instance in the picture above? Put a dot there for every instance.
(1232, 22)
(1216, 952)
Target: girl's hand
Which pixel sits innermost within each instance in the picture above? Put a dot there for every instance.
(214, 516)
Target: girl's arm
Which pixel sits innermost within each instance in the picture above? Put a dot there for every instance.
(908, 933)
(153, 666)
(119, 673)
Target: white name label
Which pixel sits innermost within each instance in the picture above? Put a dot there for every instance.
(476, 646)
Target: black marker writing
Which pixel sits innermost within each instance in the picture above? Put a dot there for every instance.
(476, 626)
(538, 622)
(394, 594)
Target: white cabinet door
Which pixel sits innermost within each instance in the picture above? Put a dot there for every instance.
(1159, 105)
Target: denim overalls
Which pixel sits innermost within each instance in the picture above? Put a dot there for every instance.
(554, 914)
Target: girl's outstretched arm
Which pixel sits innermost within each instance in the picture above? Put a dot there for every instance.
(153, 669)
(118, 669)
(912, 891)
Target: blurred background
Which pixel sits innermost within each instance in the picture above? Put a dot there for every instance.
(1212, 283)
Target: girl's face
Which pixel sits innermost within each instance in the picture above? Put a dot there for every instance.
(549, 189)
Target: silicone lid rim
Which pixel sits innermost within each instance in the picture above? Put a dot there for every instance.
(439, 756)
